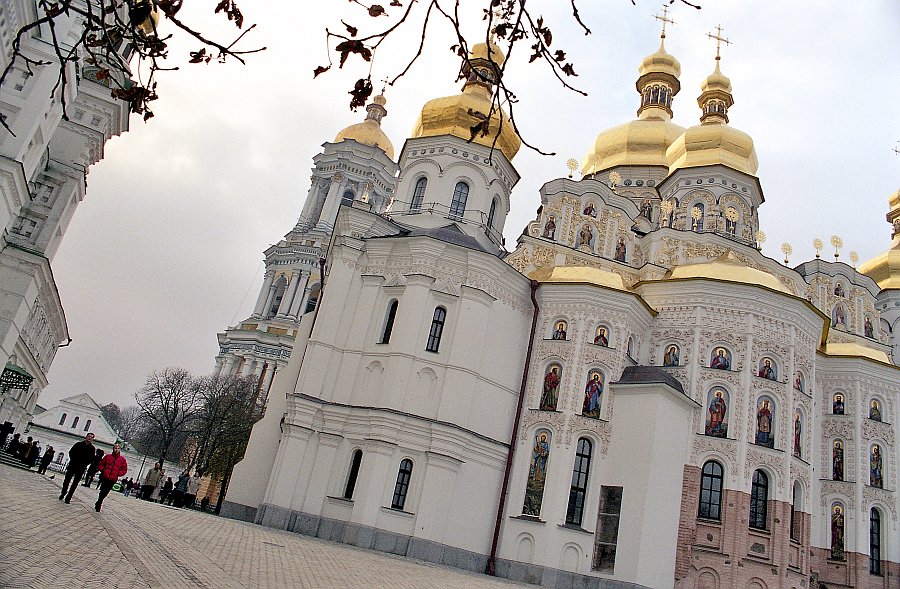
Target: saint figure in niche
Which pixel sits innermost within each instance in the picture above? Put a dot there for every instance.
(837, 406)
(717, 422)
(647, 209)
(550, 228)
(601, 339)
(671, 356)
(837, 533)
(537, 473)
(721, 359)
(585, 237)
(875, 467)
(550, 394)
(621, 250)
(874, 410)
(837, 461)
(766, 370)
(592, 392)
(764, 422)
(560, 331)
(798, 381)
(868, 329)
(839, 290)
(798, 429)
(838, 317)
(589, 210)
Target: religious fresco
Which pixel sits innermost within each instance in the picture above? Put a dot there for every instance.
(837, 461)
(550, 228)
(874, 410)
(550, 393)
(876, 467)
(537, 473)
(721, 359)
(647, 209)
(672, 356)
(601, 336)
(717, 402)
(590, 210)
(767, 369)
(837, 404)
(838, 316)
(837, 532)
(798, 381)
(561, 330)
(765, 422)
(839, 290)
(868, 328)
(585, 237)
(621, 250)
(798, 433)
(593, 392)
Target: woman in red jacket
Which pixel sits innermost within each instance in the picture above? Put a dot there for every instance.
(112, 466)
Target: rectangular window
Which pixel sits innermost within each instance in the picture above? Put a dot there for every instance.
(607, 535)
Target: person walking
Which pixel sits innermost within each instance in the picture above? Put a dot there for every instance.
(180, 489)
(126, 487)
(33, 454)
(80, 455)
(166, 491)
(193, 486)
(92, 468)
(111, 467)
(46, 459)
(151, 481)
(25, 450)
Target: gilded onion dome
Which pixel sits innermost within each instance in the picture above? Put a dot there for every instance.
(713, 141)
(644, 141)
(727, 268)
(457, 115)
(579, 275)
(885, 267)
(369, 131)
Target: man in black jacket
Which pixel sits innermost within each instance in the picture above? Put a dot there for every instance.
(81, 454)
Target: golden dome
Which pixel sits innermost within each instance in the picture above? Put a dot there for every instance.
(716, 81)
(855, 350)
(727, 268)
(642, 142)
(456, 115)
(885, 267)
(369, 131)
(579, 275)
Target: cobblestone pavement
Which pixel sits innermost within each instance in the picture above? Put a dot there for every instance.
(136, 544)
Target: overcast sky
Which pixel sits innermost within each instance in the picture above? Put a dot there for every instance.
(166, 249)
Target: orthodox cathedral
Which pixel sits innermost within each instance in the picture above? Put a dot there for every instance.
(634, 396)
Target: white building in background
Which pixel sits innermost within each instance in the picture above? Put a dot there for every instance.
(634, 396)
(43, 169)
(357, 165)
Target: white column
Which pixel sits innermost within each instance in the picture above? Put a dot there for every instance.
(270, 376)
(263, 295)
(220, 362)
(309, 205)
(332, 202)
(299, 294)
(228, 369)
(249, 367)
(288, 298)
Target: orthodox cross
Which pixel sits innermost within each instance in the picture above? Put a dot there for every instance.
(719, 40)
(384, 86)
(665, 19)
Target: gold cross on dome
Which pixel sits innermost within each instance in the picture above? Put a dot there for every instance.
(665, 19)
(719, 39)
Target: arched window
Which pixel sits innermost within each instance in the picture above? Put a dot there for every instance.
(796, 506)
(875, 542)
(711, 491)
(418, 194)
(62, 419)
(460, 195)
(389, 322)
(87, 425)
(402, 485)
(491, 213)
(355, 461)
(348, 197)
(575, 509)
(437, 328)
(759, 498)
(75, 421)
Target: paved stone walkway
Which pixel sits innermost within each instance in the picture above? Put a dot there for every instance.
(135, 544)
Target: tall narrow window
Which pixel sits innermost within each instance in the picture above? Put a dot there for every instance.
(389, 323)
(491, 213)
(62, 419)
(355, 461)
(874, 542)
(460, 195)
(75, 421)
(607, 537)
(418, 194)
(575, 510)
(402, 485)
(437, 328)
(796, 506)
(759, 497)
(87, 425)
(711, 491)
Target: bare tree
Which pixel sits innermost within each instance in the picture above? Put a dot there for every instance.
(119, 43)
(131, 423)
(169, 402)
(111, 413)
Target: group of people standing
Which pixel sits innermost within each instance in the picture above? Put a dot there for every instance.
(29, 452)
(182, 493)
